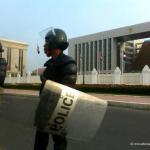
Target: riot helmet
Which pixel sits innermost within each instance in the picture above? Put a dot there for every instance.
(56, 38)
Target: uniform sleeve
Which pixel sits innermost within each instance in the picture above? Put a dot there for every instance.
(69, 74)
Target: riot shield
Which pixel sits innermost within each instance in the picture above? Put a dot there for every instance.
(60, 110)
(65, 110)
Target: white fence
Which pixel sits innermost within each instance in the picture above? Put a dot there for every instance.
(142, 78)
(128, 78)
(26, 79)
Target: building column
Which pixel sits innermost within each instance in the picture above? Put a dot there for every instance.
(107, 55)
(81, 60)
(93, 56)
(102, 61)
(113, 54)
(83, 57)
(100, 57)
(97, 57)
(79, 56)
(77, 59)
(122, 48)
(89, 65)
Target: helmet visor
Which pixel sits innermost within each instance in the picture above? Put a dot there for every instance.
(45, 31)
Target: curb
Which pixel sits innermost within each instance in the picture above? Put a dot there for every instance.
(131, 105)
(22, 95)
(123, 104)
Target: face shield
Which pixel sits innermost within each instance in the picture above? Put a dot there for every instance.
(44, 33)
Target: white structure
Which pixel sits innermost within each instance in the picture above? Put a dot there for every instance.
(116, 77)
(146, 75)
(105, 50)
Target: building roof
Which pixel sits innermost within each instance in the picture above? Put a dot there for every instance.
(126, 33)
(13, 41)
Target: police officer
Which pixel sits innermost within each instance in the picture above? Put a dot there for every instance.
(59, 68)
(3, 66)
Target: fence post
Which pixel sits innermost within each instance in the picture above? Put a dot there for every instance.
(28, 77)
(117, 76)
(9, 78)
(18, 77)
(94, 76)
(146, 75)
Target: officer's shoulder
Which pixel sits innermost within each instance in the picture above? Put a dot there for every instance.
(69, 65)
(67, 60)
(48, 62)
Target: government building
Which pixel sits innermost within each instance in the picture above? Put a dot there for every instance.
(107, 50)
(15, 54)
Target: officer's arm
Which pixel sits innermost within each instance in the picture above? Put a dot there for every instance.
(69, 74)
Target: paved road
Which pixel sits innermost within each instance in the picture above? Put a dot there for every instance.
(122, 129)
(110, 97)
(124, 98)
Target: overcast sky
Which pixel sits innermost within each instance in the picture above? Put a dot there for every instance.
(22, 20)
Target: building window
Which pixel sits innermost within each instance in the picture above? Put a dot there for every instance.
(79, 58)
(104, 50)
(87, 56)
(109, 54)
(95, 54)
(76, 56)
(83, 56)
(100, 56)
(9, 58)
(91, 55)
(130, 44)
(20, 67)
(118, 54)
(76, 52)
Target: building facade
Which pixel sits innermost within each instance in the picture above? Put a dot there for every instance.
(106, 50)
(130, 50)
(15, 53)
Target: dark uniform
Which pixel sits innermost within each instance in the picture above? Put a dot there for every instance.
(3, 67)
(61, 69)
(2, 71)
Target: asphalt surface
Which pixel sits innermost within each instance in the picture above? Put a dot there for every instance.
(127, 101)
(123, 128)
(110, 97)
